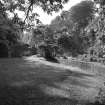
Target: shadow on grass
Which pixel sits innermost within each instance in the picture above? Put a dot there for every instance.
(29, 96)
(28, 77)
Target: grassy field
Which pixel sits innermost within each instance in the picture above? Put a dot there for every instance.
(31, 81)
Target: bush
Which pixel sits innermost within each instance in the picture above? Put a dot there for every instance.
(20, 50)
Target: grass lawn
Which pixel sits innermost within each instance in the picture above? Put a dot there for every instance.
(31, 81)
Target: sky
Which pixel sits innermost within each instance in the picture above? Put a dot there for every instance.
(45, 18)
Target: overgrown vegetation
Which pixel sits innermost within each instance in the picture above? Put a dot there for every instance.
(75, 32)
(79, 32)
(12, 28)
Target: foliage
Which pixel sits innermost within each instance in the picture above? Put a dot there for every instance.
(61, 22)
(97, 30)
(27, 6)
(8, 30)
(15, 25)
(42, 34)
(66, 42)
(101, 20)
(79, 15)
(43, 38)
(71, 27)
(82, 12)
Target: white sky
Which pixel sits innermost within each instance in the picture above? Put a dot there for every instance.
(45, 18)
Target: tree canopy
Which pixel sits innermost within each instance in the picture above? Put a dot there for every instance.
(71, 26)
(74, 30)
(27, 6)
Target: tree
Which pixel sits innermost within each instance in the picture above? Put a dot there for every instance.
(72, 25)
(14, 26)
(43, 37)
(83, 11)
(77, 18)
(9, 33)
(95, 31)
(101, 21)
(81, 15)
(10, 29)
(27, 7)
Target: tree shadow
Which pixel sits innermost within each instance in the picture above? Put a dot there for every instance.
(27, 81)
(27, 95)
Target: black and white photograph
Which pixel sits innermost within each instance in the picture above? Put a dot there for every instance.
(52, 52)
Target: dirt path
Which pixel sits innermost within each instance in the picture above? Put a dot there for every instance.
(31, 81)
